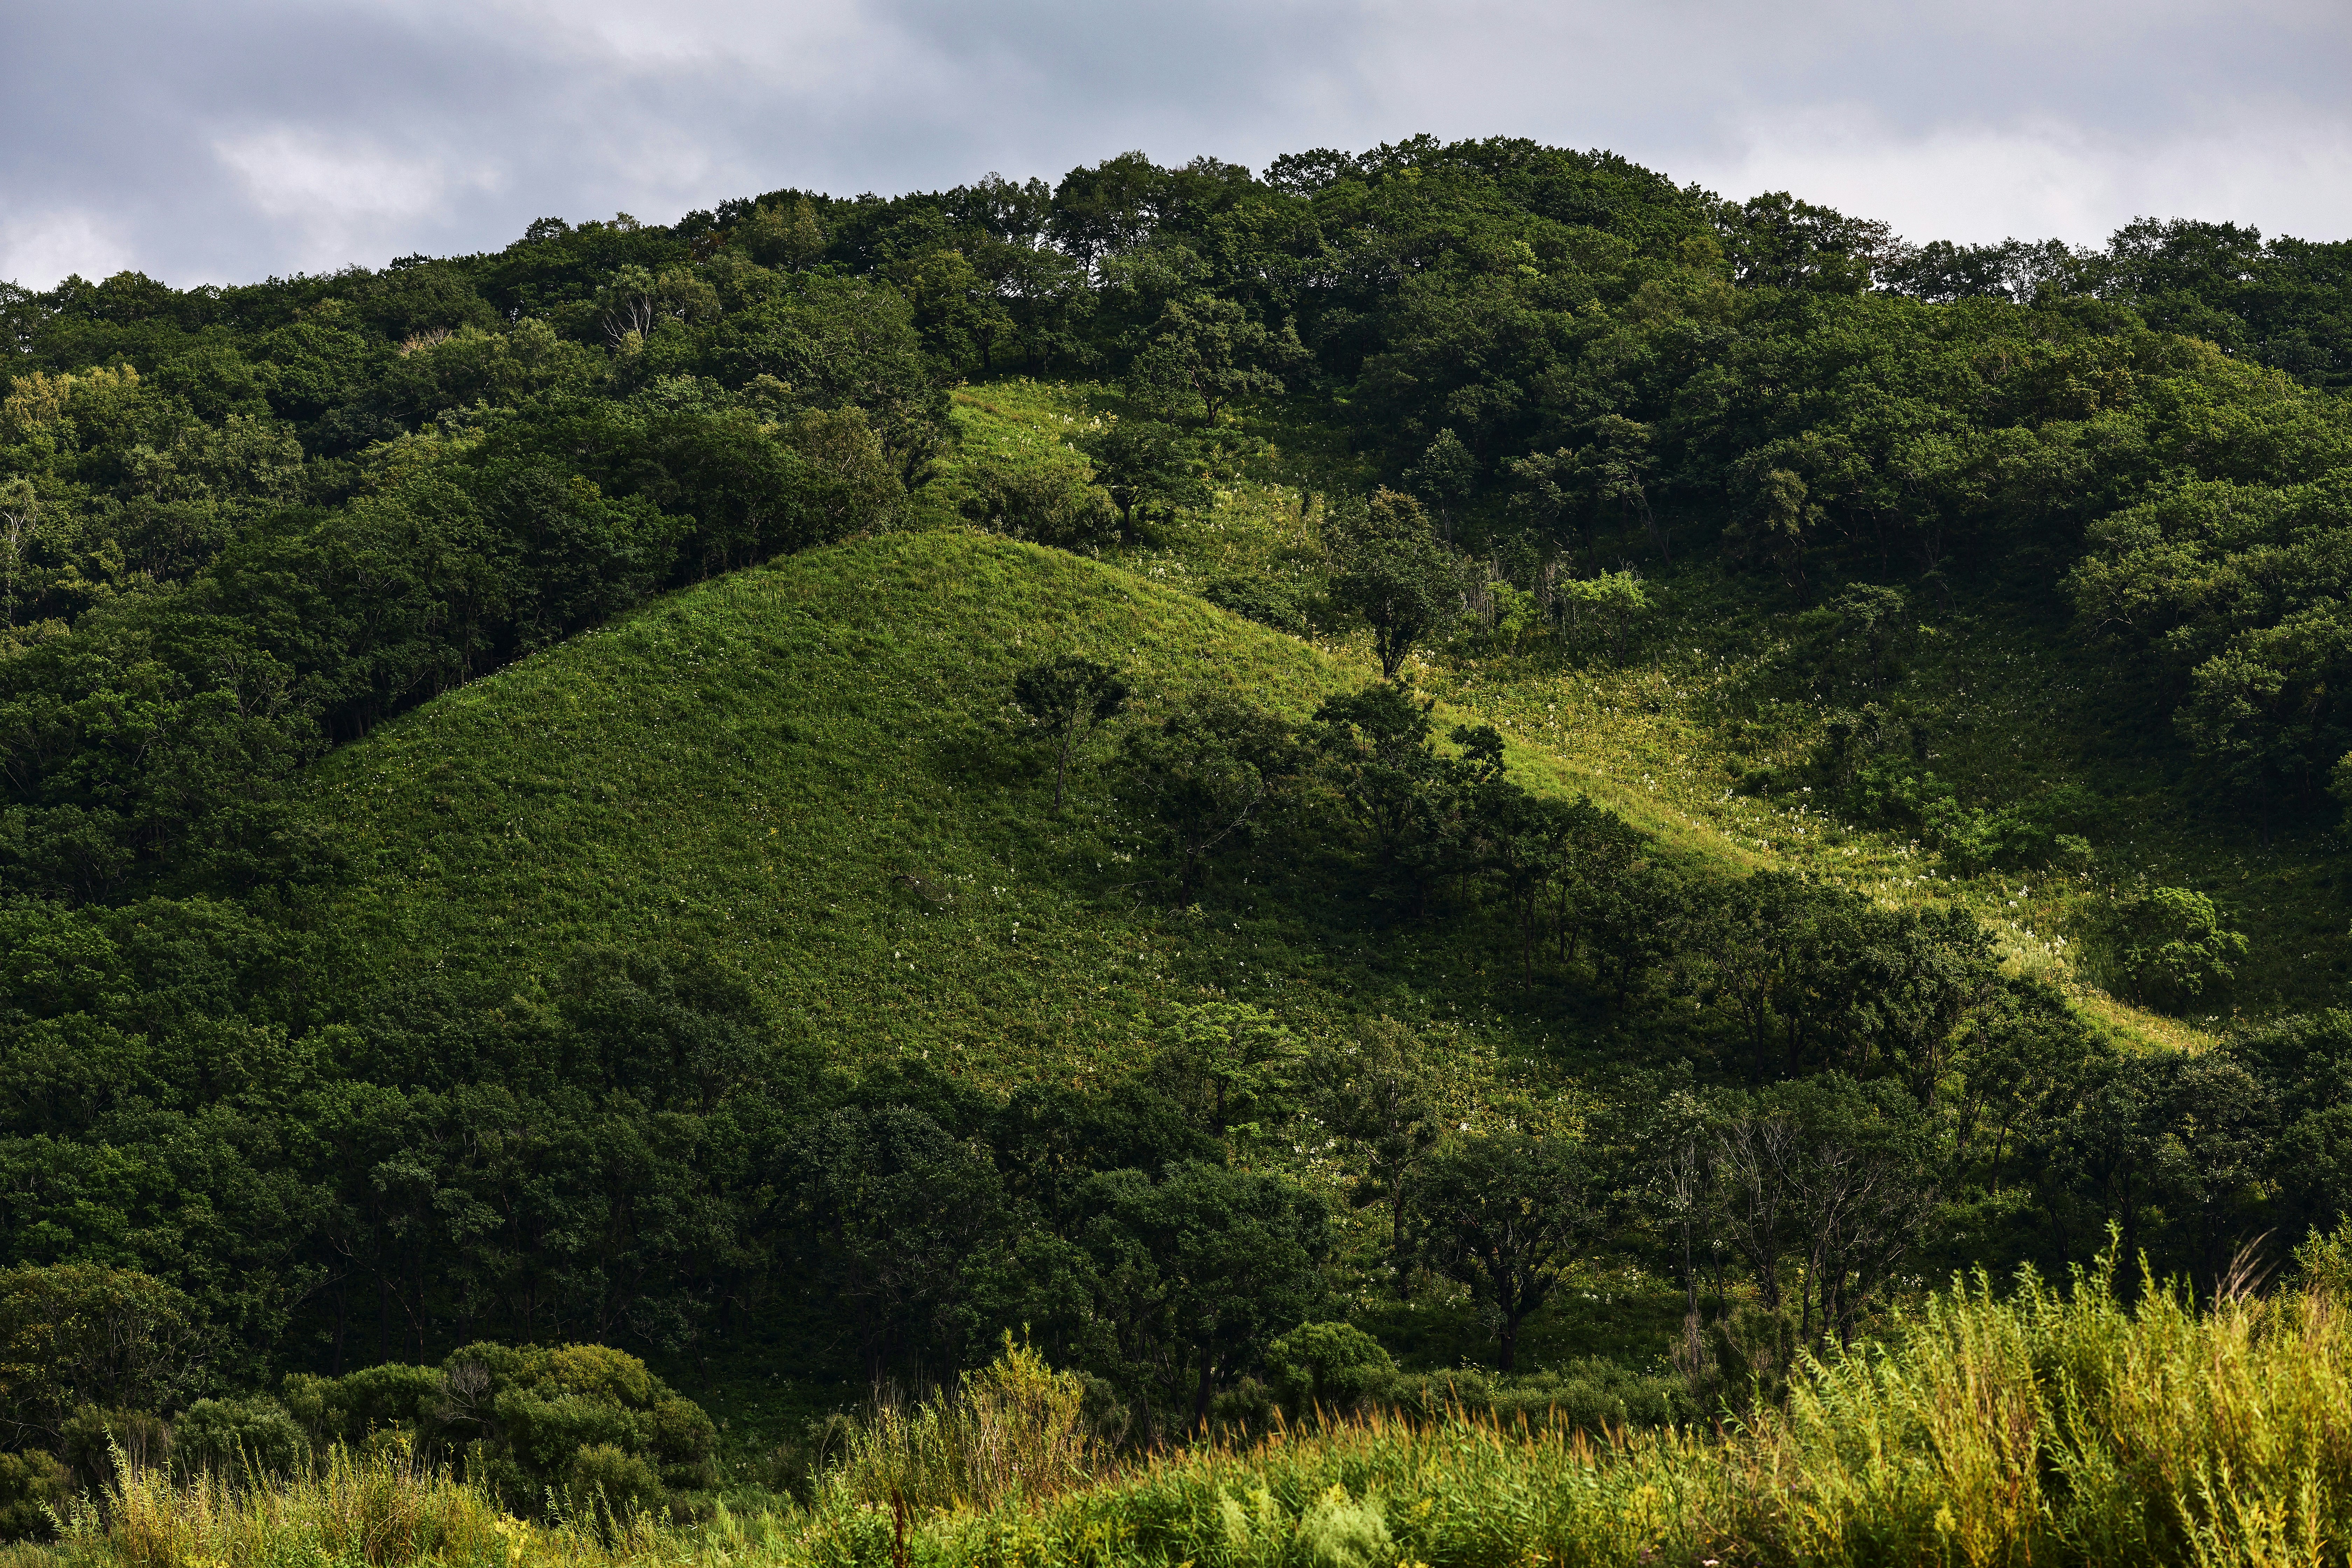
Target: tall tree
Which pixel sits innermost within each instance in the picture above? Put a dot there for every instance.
(1505, 1214)
(1388, 568)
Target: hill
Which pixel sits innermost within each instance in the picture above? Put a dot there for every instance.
(1685, 766)
(808, 770)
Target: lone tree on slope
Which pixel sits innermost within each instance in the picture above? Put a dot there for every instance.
(1067, 696)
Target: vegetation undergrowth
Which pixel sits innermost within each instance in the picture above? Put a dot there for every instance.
(2045, 1425)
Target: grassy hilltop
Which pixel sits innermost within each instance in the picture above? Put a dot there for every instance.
(812, 770)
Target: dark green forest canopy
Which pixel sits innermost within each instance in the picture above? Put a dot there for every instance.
(243, 526)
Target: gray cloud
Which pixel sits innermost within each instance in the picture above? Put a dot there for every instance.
(252, 137)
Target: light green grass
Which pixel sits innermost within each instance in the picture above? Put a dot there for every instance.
(810, 771)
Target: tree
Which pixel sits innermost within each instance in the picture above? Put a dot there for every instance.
(784, 236)
(1230, 1058)
(1388, 568)
(1751, 934)
(2167, 948)
(1068, 697)
(1504, 1213)
(1615, 598)
(1196, 1272)
(19, 507)
(1446, 477)
(1051, 503)
(1147, 466)
(1777, 525)
(891, 1208)
(1840, 1172)
(1206, 773)
(1856, 637)
(81, 1333)
(1329, 1367)
(1380, 1095)
(1377, 754)
(1211, 348)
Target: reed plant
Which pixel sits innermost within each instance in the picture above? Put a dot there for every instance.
(1014, 1431)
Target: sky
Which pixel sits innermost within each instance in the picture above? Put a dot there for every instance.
(242, 139)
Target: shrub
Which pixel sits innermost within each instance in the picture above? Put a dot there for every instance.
(1328, 1366)
(31, 1485)
(240, 1438)
(90, 1439)
(2166, 949)
(1046, 503)
(1015, 1430)
(535, 1412)
(526, 1422)
(1255, 599)
(604, 1480)
(348, 1409)
(79, 1333)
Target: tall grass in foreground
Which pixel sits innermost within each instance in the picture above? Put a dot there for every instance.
(2046, 1426)
(1013, 1431)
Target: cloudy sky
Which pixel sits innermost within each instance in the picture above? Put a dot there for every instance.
(241, 138)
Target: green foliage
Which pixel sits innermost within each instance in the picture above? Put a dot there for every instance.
(2166, 947)
(1212, 351)
(702, 976)
(1014, 1431)
(1148, 467)
(242, 1438)
(1504, 1213)
(1050, 505)
(33, 1494)
(585, 1426)
(75, 1334)
(1614, 600)
(1333, 1368)
(1388, 568)
(1068, 697)
(1381, 1093)
(1207, 775)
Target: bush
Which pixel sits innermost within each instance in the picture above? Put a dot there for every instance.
(1048, 503)
(348, 1409)
(527, 1422)
(537, 1411)
(1016, 1429)
(238, 1438)
(89, 1439)
(79, 1333)
(1255, 599)
(1332, 1367)
(604, 1480)
(2165, 948)
(31, 1485)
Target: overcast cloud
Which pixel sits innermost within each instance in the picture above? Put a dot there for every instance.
(240, 138)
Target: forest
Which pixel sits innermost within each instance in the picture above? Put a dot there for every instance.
(1608, 787)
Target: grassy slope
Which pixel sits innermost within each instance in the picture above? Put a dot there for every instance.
(756, 767)
(763, 767)
(2014, 703)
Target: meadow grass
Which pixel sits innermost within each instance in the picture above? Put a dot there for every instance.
(2035, 1425)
